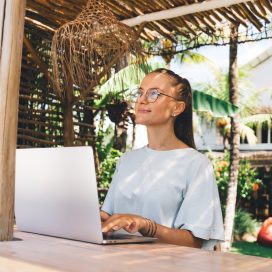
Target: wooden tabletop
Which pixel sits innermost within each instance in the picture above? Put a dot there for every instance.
(32, 252)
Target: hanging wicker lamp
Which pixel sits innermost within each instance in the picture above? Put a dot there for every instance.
(86, 49)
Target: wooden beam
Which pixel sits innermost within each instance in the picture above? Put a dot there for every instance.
(38, 140)
(35, 56)
(12, 13)
(181, 11)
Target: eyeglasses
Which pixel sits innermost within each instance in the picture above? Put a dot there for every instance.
(151, 95)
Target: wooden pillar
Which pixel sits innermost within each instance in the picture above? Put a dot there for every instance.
(12, 13)
(68, 103)
(120, 131)
(68, 124)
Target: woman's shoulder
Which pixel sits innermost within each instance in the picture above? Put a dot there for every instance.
(199, 155)
(193, 160)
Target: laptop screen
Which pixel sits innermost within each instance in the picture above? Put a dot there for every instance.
(56, 193)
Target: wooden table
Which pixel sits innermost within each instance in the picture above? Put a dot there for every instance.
(37, 253)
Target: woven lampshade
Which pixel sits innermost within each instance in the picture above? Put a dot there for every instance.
(86, 49)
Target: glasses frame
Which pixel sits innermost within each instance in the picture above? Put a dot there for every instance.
(158, 94)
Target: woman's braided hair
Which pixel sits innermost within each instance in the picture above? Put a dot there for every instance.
(183, 124)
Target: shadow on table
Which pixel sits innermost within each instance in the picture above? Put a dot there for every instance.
(16, 239)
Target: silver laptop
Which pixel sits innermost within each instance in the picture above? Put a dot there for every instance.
(56, 195)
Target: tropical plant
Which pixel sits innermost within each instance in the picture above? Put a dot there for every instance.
(107, 168)
(244, 223)
(216, 107)
(107, 155)
(248, 180)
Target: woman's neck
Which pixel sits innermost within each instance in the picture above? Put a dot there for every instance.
(163, 138)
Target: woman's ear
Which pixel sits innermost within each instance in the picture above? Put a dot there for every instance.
(179, 108)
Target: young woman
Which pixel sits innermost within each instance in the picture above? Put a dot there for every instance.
(166, 189)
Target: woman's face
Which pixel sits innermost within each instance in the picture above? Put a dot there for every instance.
(162, 110)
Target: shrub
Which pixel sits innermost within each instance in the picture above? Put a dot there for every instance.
(244, 223)
(247, 178)
(107, 157)
(107, 167)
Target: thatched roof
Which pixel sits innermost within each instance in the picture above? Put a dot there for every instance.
(50, 15)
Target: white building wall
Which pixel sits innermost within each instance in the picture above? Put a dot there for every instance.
(206, 136)
(261, 75)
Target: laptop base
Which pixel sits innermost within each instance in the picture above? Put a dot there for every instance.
(119, 238)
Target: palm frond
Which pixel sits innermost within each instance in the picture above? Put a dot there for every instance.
(248, 133)
(245, 133)
(208, 103)
(257, 119)
(191, 57)
(127, 78)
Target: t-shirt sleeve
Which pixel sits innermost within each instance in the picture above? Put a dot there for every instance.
(200, 211)
(108, 202)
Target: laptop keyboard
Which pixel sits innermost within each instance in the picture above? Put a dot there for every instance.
(119, 236)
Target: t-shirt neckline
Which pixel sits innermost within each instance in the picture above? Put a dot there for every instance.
(147, 148)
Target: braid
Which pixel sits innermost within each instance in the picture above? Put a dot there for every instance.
(183, 124)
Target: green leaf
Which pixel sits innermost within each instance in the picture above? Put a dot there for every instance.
(128, 77)
(218, 107)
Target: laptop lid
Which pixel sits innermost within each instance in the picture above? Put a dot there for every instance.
(56, 193)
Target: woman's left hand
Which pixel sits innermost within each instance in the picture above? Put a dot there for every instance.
(129, 222)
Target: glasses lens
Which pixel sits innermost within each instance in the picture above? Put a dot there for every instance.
(134, 94)
(152, 95)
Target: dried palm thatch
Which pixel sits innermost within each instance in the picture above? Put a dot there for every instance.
(86, 49)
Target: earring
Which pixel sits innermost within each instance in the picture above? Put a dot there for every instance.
(173, 115)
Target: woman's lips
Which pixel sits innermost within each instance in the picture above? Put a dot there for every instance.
(143, 111)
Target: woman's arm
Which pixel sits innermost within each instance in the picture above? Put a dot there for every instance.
(133, 223)
(177, 237)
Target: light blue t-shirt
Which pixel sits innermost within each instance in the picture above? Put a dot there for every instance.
(176, 188)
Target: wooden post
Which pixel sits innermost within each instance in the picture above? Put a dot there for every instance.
(68, 103)
(12, 14)
(120, 132)
(68, 124)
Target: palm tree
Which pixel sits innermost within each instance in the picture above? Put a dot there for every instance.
(234, 141)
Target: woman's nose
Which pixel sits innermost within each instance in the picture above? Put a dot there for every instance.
(142, 98)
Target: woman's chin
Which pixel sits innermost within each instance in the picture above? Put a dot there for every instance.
(141, 121)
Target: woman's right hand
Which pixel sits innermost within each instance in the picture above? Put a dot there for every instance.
(104, 216)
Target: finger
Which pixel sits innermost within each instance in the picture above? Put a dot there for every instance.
(110, 225)
(114, 225)
(109, 220)
(132, 227)
(118, 221)
(104, 216)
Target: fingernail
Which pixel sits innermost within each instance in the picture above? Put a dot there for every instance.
(115, 228)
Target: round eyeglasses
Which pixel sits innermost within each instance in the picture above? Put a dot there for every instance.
(151, 95)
